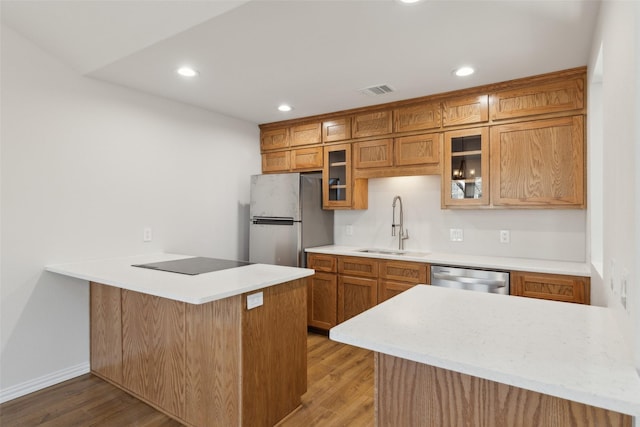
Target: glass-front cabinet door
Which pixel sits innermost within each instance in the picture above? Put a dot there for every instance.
(465, 180)
(337, 176)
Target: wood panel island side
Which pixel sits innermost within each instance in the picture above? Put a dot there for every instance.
(190, 346)
(449, 357)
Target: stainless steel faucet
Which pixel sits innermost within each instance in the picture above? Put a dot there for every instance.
(404, 234)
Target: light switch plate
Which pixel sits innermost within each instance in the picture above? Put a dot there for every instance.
(255, 300)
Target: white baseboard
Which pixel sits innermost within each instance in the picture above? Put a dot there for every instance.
(44, 381)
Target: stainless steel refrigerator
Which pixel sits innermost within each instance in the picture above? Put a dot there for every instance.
(287, 217)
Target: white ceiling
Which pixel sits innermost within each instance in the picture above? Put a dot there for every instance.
(316, 55)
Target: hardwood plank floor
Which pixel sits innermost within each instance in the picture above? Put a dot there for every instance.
(340, 393)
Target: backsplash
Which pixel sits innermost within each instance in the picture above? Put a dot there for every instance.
(542, 234)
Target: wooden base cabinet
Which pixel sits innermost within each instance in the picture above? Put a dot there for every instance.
(345, 286)
(409, 393)
(398, 276)
(355, 295)
(322, 297)
(213, 364)
(106, 331)
(554, 287)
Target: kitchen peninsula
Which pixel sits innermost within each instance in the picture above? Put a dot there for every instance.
(446, 357)
(224, 348)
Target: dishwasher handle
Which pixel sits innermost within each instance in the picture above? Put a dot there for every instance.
(469, 280)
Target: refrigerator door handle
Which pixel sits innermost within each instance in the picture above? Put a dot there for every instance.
(262, 220)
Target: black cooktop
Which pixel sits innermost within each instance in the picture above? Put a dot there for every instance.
(193, 266)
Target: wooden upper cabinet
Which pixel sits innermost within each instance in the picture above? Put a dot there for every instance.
(418, 149)
(372, 124)
(465, 168)
(417, 117)
(306, 159)
(465, 110)
(278, 161)
(306, 134)
(539, 163)
(565, 95)
(336, 129)
(373, 154)
(274, 139)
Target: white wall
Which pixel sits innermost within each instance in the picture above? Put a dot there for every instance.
(544, 234)
(85, 167)
(618, 35)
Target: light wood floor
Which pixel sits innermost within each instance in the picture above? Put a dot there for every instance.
(340, 393)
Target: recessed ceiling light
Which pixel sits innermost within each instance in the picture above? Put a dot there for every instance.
(409, 1)
(285, 107)
(187, 72)
(464, 71)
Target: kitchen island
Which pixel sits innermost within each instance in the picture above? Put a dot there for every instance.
(453, 357)
(225, 348)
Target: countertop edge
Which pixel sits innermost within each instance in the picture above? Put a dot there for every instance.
(288, 274)
(628, 408)
(608, 381)
(571, 268)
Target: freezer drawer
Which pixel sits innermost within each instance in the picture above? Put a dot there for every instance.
(275, 243)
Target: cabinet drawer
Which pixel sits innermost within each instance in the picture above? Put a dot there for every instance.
(417, 117)
(321, 262)
(307, 134)
(372, 124)
(373, 154)
(278, 161)
(418, 149)
(306, 159)
(274, 139)
(466, 110)
(356, 266)
(336, 130)
(554, 97)
(551, 286)
(412, 272)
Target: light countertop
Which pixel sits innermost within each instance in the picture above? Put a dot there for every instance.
(198, 289)
(478, 261)
(571, 351)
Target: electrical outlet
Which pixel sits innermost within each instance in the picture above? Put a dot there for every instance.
(612, 273)
(255, 300)
(348, 230)
(146, 234)
(505, 236)
(456, 234)
(624, 278)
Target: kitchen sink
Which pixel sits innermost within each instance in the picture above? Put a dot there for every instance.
(390, 252)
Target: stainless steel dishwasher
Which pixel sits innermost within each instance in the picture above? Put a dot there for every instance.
(496, 282)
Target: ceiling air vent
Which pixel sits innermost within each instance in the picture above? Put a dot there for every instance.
(376, 90)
